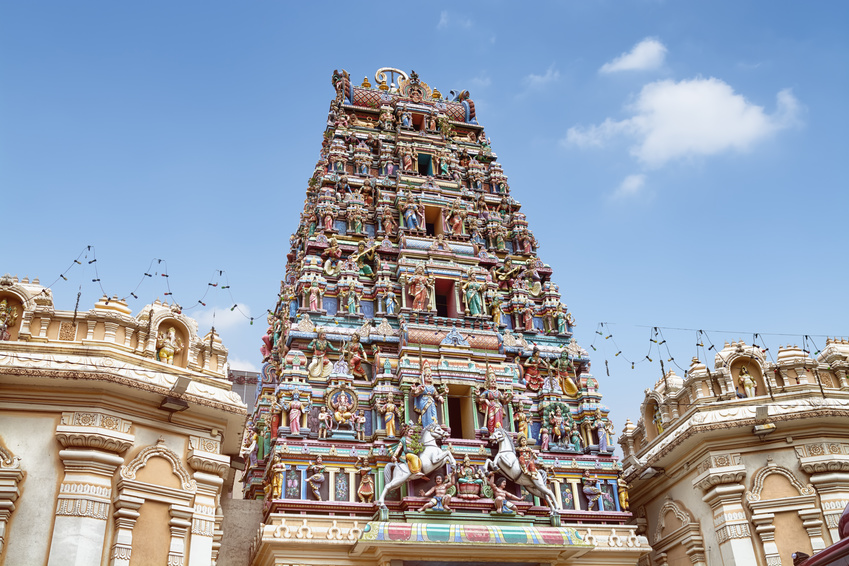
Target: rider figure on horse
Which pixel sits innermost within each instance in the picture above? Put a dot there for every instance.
(406, 450)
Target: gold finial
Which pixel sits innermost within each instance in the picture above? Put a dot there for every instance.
(436, 94)
(383, 85)
(366, 84)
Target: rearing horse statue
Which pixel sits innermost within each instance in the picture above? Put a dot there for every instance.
(432, 457)
(507, 463)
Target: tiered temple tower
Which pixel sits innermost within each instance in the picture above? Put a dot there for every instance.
(418, 338)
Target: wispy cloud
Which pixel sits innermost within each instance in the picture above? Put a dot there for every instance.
(482, 80)
(447, 21)
(647, 55)
(223, 318)
(242, 364)
(690, 118)
(534, 82)
(630, 187)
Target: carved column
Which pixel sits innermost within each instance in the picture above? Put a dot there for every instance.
(721, 481)
(91, 444)
(11, 475)
(126, 514)
(211, 467)
(766, 530)
(180, 523)
(827, 464)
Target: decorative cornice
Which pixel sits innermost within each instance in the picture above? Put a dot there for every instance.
(160, 450)
(718, 476)
(94, 430)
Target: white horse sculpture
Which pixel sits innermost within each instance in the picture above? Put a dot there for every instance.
(507, 463)
(432, 457)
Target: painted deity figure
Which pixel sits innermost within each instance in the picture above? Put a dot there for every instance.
(419, 289)
(622, 489)
(355, 354)
(320, 365)
(439, 495)
(314, 294)
(323, 422)
(501, 497)
(8, 316)
(426, 398)
(332, 256)
(473, 294)
(362, 257)
(390, 302)
(495, 309)
(591, 490)
(342, 410)
(365, 491)
(168, 344)
(657, 419)
(295, 409)
(406, 451)
(749, 385)
(278, 472)
(360, 425)
(527, 457)
(575, 441)
(563, 368)
(411, 215)
(391, 415)
(521, 421)
(490, 402)
(560, 319)
(390, 225)
(277, 407)
(544, 439)
(559, 426)
(315, 477)
(533, 367)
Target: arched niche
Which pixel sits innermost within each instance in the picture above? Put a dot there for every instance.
(652, 416)
(182, 335)
(754, 368)
(12, 311)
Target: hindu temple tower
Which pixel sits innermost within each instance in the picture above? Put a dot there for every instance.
(422, 400)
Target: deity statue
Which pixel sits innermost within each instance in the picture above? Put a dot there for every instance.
(332, 254)
(563, 367)
(490, 402)
(533, 367)
(355, 355)
(657, 419)
(473, 295)
(413, 220)
(390, 225)
(391, 415)
(8, 317)
(323, 422)
(278, 473)
(315, 477)
(408, 450)
(426, 397)
(439, 495)
(591, 490)
(748, 383)
(575, 441)
(362, 256)
(601, 427)
(168, 344)
(390, 302)
(366, 489)
(495, 309)
(342, 407)
(544, 439)
(419, 289)
(296, 408)
(386, 121)
(276, 410)
(561, 318)
(314, 293)
(505, 274)
(360, 425)
(349, 299)
(469, 480)
(521, 421)
(528, 316)
(622, 487)
(527, 457)
(502, 497)
(320, 365)
(559, 426)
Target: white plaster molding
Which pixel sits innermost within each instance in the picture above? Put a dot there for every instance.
(160, 450)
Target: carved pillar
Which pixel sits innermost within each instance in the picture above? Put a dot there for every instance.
(91, 442)
(126, 514)
(766, 530)
(180, 523)
(128, 335)
(111, 330)
(211, 468)
(827, 464)
(721, 482)
(813, 524)
(11, 475)
(91, 323)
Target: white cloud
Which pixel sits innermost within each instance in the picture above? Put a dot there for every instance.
(480, 81)
(538, 82)
(646, 55)
(690, 118)
(244, 365)
(223, 319)
(631, 186)
(446, 21)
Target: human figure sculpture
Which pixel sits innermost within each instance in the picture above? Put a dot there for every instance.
(278, 473)
(495, 309)
(419, 289)
(473, 295)
(295, 409)
(404, 450)
(323, 422)
(657, 419)
(314, 294)
(591, 490)
(8, 316)
(390, 302)
(426, 398)
(490, 402)
(527, 457)
(390, 225)
(469, 480)
(749, 385)
(563, 367)
(315, 477)
(521, 421)
(575, 441)
(320, 365)
(360, 425)
(622, 488)
(365, 491)
(355, 354)
(559, 426)
(391, 415)
(533, 367)
(332, 256)
(601, 426)
(277, 405)
(439, 496)
(544, 439)
(502, 497)
(168, 344)
(560, 319)
(362, 257)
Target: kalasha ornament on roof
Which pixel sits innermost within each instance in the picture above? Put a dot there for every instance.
(416, 327)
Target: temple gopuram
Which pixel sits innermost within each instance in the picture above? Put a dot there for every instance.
(422, 400)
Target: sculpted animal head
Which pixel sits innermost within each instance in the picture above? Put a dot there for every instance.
(496, 436)
(437, 431)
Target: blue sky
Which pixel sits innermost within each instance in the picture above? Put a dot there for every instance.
(681, 163)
